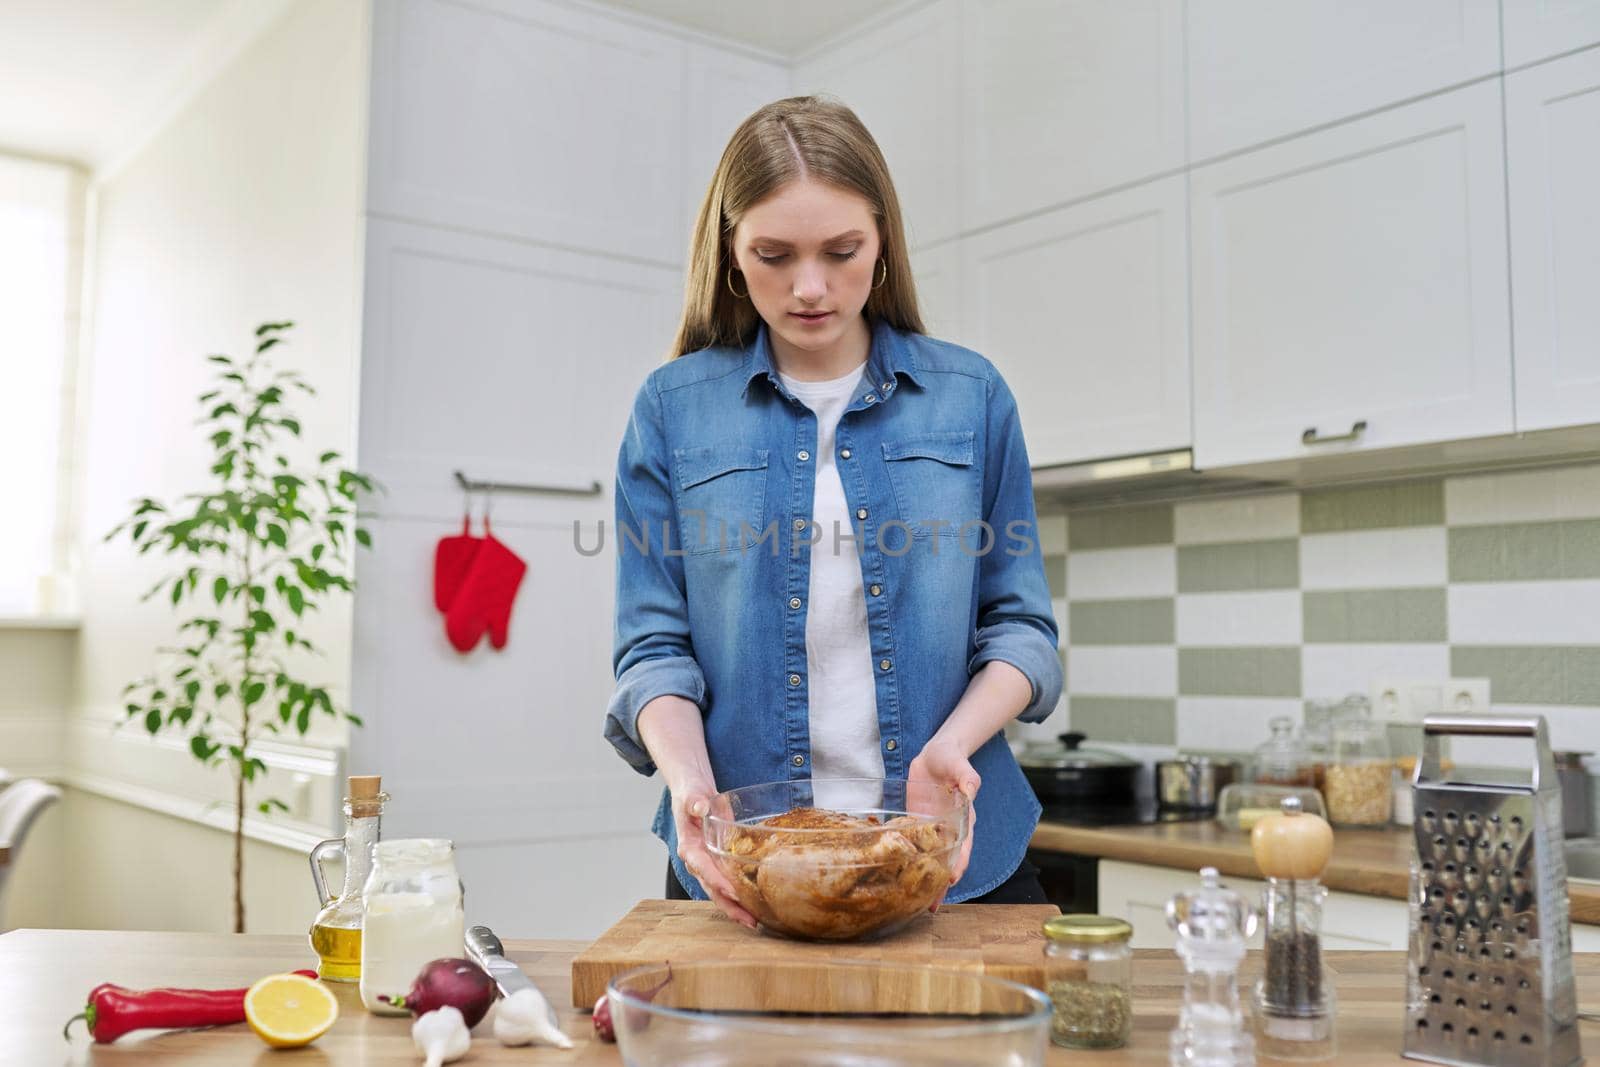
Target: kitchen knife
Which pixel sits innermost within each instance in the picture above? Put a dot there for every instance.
(487, 951)
(485, 948)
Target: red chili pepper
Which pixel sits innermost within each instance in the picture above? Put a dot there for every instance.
(113, 1010)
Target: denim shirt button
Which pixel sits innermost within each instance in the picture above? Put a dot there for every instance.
(799, 524)
(794, 679)
(861, 513)
(799, 761)
(884, 664)
(875, 589)
(794, 602)
(870, 398)
(891, 744)
(844, 453)
(888, 386)
(802, 455)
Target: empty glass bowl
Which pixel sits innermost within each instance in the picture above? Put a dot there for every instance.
(824, 1014)
(837, 859)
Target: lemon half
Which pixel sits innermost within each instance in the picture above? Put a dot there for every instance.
(289, 1010)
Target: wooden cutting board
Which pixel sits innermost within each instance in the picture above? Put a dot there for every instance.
(998, 940)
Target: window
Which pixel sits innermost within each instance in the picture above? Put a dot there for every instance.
(41, 243)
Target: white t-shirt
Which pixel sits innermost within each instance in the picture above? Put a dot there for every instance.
(843, 707)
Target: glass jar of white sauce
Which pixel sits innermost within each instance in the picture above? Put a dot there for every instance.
(414, 915)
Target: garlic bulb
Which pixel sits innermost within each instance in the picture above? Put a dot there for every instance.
(441, 1036)
(525, 1017)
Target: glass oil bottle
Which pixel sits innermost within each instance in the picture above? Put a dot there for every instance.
(336, 931)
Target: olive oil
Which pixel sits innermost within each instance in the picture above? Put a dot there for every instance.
(336, 931)
(338, 951)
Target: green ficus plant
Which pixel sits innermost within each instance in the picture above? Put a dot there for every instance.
(266, 543)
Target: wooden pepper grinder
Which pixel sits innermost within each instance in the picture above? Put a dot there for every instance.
(1294, 1005)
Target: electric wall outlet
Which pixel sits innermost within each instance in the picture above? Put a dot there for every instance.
(1467, 696)
(1413, 699)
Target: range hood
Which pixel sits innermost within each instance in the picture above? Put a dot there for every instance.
(1151, 477)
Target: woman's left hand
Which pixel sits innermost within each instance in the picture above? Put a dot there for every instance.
(941, 763)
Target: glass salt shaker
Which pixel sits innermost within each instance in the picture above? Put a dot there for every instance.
(1212, 923)
(1088, 974)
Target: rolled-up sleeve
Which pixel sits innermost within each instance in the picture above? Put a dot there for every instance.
(1015, 621)
(652, 654)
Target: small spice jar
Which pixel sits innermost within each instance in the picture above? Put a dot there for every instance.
(1088, 974)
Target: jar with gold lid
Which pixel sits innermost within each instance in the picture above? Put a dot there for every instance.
(1088, 974)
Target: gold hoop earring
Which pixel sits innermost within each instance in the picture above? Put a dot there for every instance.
(879, 285)
(736, 294)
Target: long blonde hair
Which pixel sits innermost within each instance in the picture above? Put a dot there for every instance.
(798, 137)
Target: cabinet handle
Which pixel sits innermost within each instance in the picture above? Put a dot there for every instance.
(1311, 437)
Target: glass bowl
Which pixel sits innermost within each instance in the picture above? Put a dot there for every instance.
(837, 859)
(824, 1013)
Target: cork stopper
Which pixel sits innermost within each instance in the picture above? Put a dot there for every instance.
(366, 795)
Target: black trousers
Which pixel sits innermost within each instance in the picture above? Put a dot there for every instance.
(1021, 888)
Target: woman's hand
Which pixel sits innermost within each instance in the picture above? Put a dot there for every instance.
(673, 734)
(689, 808)
(943, 763)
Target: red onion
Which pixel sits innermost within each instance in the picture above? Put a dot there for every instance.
(455, 983)
(602, 1019)
(606, 1030)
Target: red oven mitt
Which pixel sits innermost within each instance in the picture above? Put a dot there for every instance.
(484, 600)
(452, 558)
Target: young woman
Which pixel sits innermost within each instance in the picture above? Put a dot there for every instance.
(852, 585)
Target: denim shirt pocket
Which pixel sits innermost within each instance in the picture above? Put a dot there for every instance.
(934, 479)
(720, 489)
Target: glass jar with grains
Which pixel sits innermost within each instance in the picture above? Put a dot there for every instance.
(1360, 789)
(1088, 973)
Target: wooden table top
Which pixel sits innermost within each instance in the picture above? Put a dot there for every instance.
(45, 974)
(1374, 862)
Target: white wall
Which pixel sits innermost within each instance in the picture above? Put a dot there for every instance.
(244, 207)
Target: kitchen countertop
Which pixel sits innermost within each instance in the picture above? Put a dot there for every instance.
(1374, 862)
(44, 975)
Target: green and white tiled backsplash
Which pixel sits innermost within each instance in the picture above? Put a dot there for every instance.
(1193, 624)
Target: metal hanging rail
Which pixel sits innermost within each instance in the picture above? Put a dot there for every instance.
(473, 486)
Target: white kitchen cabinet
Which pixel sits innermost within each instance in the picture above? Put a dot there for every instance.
(1539, 29)
(903, 80)
(1261, 69)
(1553, 165)
(721, 89)
(1085, 312)
(1065, 100)
(1356, 275)
(1139, 894)
(506, 360)
(940, 296)
(535, 119)
(512, 362)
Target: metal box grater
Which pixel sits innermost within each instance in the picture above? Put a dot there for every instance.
(1489, 979)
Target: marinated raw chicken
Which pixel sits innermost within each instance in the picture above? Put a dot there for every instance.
(853, 877)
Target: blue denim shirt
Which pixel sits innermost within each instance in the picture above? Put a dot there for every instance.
(720, 454)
